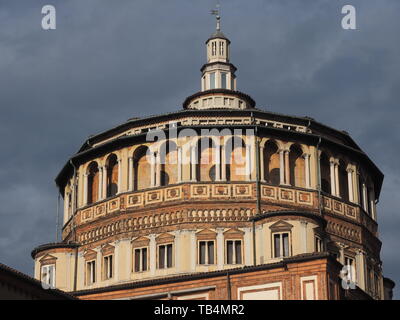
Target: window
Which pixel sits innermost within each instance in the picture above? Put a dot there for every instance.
(221, 48)
(281, 245)
(234, 252)
(108, 267)
(212, 80)
(319, 244)
(140, 257)
(223, 80)
(213, 48)
(206, 252)
(90, 272)
(69, 204)
(165, 256)
(48, 275)
(349, 262)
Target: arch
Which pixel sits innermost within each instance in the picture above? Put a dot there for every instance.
(343, 181)
(93, 183)
(271, 163)
(206, 158)
(141, 169)
(169, 163)
(297, 166)
(325, 173)
(112, 175)
(235, 155)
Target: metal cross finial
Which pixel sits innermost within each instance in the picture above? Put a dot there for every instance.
(216, 12)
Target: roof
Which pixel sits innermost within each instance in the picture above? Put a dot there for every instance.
(31, 284)
(53, 245)
(218, 34)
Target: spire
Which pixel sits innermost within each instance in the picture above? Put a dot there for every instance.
(218, 79)
(217, 16)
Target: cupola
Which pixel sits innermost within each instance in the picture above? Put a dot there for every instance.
(218, 79)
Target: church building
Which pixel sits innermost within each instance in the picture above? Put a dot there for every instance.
(218, 200)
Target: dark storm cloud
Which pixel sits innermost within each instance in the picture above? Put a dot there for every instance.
(112, 60)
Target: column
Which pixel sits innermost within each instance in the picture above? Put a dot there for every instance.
(223, 164)
(218, 163)
(364, 195)
(85, 189)
(248, 162)
(158, 169)
(303, 237)
(152, 169)
(287, 169)
(350, 183)
(281, 167)
(130, 173)
(179, 164)
(104, 187)
(220, 248)
(332, 174)
(100, 189)
(193, 250)
(153, 254)
(372, 203)
(261, 161)
(337, 185)
(117, 270)
(66, 204)
(260, 246)
(119, 190)
(307, 169)
(177, 251)
(360, 264)
(356, 187)
(193, 163)
(248, 247)
(341, 258)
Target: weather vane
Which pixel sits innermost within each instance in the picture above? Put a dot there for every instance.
(216, 13)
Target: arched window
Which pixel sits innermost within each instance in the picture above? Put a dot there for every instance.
(141, 169)
(235, 150)
(297, 167)
(93, 183)
(343, 181)
(112, 175)
(271, 163)
(206, 156)
(325, 173)
(169, 163)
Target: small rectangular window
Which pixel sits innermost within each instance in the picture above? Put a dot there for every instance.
(48, 275)
(108, 267)
(234, 252)
(281, 245)
(349, 262)
(140, 259)
(223, 80)
(165, 256)
(319, 245)
(90, 272)
(212, 80)
(206, 252)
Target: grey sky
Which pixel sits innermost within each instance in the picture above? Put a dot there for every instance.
(112, 60)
